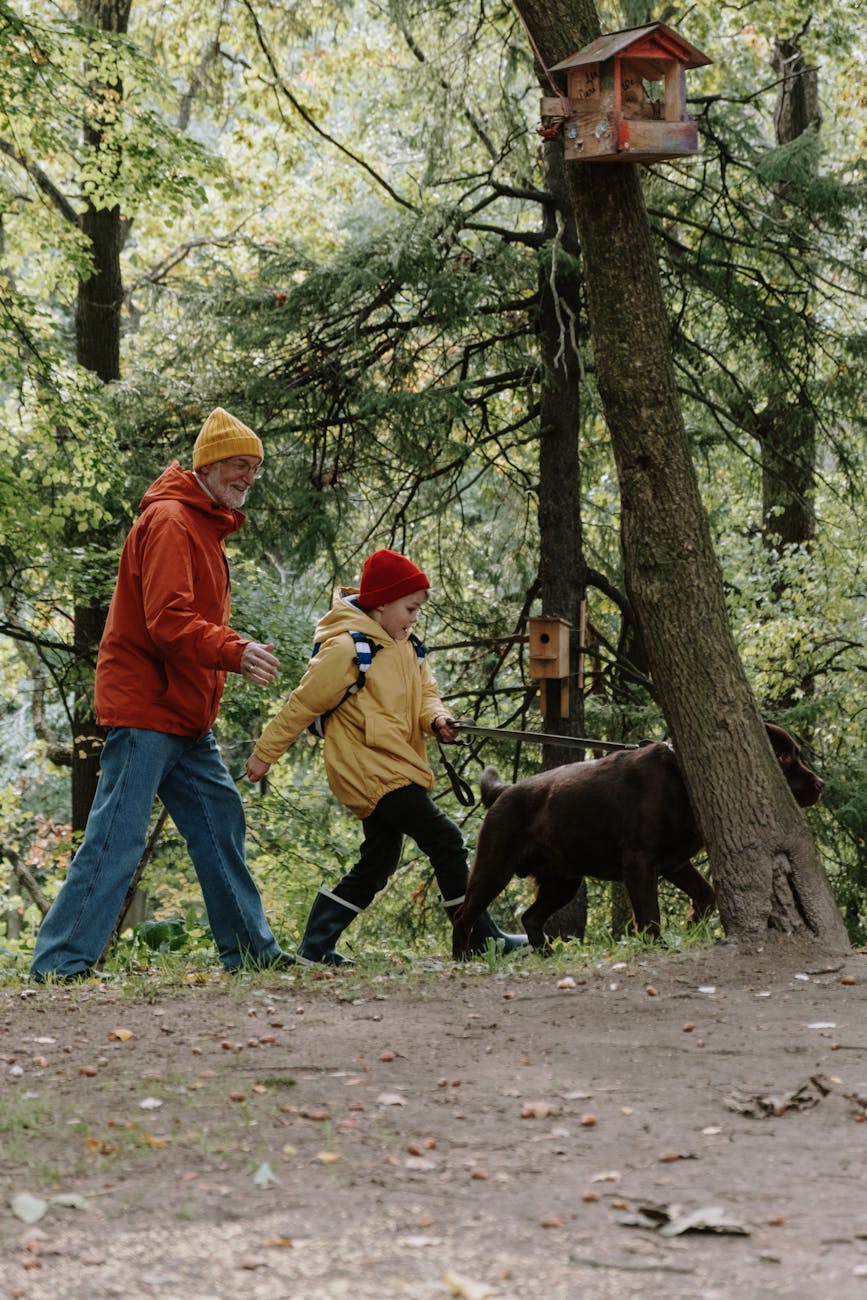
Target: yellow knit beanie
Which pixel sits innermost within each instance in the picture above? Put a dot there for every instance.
(223, 436)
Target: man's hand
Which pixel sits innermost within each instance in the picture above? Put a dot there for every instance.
(445, 728)
(258, 664)
(256, 768)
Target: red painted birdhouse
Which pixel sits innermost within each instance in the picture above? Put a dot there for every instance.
(625, 98)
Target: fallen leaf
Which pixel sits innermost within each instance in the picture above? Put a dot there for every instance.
(122, 1035)
(71, 1200)
(265, 1175)
(711, 1218)
(29, 1209)
(100, 1146)
(671, 1221)
(805, 1096)
(156, 1142)
(328, 1157)
(391, 1099)
(466, 1288)
(422, 1164)
(538, 1110)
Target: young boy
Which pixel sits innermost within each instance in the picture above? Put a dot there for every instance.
(374, 749)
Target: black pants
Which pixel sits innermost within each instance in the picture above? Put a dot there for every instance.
(407, 811)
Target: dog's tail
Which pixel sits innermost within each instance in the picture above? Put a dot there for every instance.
(491, 786)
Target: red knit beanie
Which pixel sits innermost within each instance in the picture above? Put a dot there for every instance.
(386, 576)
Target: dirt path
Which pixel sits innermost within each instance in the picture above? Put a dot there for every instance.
(443, 1132)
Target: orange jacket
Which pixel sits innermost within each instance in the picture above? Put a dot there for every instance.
(167, 645)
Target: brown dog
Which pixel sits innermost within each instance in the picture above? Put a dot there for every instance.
(623, 817)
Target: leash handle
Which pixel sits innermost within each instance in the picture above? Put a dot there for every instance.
(462, 789)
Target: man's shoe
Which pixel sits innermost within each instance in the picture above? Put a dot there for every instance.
(283, 961)
(280, 961)
(75, 977)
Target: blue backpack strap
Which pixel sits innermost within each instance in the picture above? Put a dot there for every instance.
(365, 649)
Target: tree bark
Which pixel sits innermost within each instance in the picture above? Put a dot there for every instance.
(562, 566)
(762, 856)
(787, 431)
(97, 348)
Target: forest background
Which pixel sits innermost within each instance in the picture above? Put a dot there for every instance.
(337, 222)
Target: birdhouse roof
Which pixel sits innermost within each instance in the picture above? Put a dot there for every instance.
(655, 40)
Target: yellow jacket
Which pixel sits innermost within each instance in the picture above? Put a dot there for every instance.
(374, 742)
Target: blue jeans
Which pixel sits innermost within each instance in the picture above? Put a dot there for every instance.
(191, 779)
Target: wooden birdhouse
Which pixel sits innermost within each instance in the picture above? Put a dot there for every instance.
(624, 98)
(549, 661)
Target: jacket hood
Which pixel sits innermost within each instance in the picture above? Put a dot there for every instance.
(345, 615)
(176, 484)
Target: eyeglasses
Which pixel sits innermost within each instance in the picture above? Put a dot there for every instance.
(244, 467)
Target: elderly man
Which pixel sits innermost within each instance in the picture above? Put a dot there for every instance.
(163, 660)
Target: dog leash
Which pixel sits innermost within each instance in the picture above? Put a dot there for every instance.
(539, 737)
(463, 791)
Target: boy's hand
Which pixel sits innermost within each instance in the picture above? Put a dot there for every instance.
(256, 768)
(445, 728)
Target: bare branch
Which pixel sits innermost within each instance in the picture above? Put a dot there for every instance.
(42, 182)
(307, 117)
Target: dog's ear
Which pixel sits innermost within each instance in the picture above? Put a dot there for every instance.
(786, 748)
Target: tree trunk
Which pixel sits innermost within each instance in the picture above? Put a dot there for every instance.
(787, 433)
(763, 858)
(787, 425)
(97, 348)
(562, 568)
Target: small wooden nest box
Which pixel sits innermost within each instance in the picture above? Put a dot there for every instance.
(549, 647)
(625, 98)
